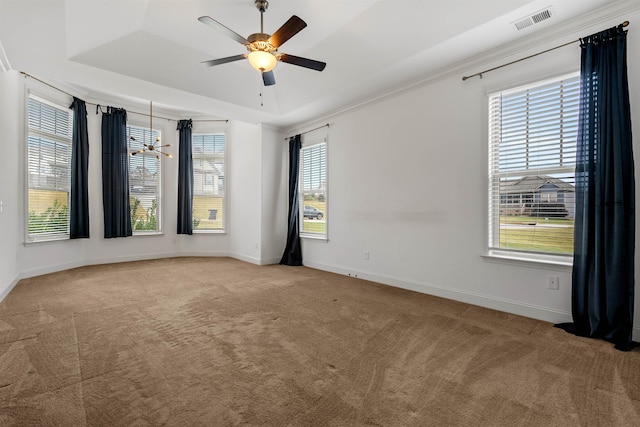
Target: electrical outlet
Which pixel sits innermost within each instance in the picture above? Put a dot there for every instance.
(366, 255)
(553, 282)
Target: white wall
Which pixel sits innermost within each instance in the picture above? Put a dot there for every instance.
(9, 191)
(408, 183)
(275, 197)
(244, 191)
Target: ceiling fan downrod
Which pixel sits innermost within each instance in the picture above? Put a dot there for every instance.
(262, 6)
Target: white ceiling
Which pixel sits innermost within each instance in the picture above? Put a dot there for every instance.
(153, 49)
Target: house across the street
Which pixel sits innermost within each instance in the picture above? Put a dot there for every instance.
(539, 195)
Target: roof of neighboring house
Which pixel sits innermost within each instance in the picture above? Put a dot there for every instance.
(209, 166)
(533, 184)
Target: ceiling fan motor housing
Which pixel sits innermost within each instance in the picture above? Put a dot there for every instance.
(260, 41)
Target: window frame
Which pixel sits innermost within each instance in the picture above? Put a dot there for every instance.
(308, 141)
(213, 130)
(493, 251)
(61, 102)
(138, 124)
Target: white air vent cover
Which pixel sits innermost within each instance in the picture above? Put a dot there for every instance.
(535, 18)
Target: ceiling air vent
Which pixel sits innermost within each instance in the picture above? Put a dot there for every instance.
(535, 18)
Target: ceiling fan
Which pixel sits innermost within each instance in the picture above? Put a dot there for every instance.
(263, 48)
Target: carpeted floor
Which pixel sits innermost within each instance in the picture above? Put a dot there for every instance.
(219, 342)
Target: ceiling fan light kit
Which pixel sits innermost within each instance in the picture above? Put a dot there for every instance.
(263, 48)
(262, 61)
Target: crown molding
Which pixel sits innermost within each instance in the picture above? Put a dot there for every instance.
(559, 33)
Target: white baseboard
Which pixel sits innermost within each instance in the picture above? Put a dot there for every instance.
(216, 254)
(255, 260)
(130, 258)
(37, 272)
(270, 261)
(246, 258)
(501, 304)
(49, 269)
(9, 288)
(112, 260)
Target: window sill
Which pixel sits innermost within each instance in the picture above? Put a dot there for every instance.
(147, 233)
(209, 232)
(51, 240)
(314, 237)
(529, 260)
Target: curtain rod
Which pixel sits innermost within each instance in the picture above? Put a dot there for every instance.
(624, 24)
(99, 107)
(310, 130)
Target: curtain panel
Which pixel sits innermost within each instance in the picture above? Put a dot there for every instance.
(604, 245)
(185, 178)
(115, 174)
(79, 204)
(293, 250)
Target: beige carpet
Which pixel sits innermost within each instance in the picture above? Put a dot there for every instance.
(217, 342)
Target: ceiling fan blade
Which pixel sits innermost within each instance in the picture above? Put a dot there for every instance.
(268, 78)
(302, 62)
(289, 29)
(219, 61)
(207, 20)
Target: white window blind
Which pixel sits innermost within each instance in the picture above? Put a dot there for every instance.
(50, 128)
(313, 188)
(208, 153)
(532, 151)
(145, 172)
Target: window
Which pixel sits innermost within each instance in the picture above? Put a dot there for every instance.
(208, 181)
(145, 189)
(313, 188)
(50, 128)
(532, 151)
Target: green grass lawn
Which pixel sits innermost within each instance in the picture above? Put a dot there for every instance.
(313, 226)
(538, 238)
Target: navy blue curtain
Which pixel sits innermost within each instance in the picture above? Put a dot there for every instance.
(185, 178)
(79, 205)
(293, 251)
(115, 174)
(603, 269)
